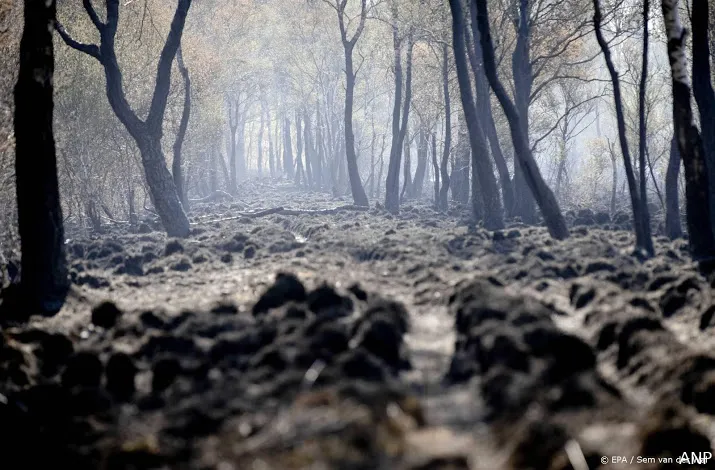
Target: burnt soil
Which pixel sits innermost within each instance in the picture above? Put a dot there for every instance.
(349, 339)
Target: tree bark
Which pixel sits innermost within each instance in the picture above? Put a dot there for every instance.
(690, 144)
(703, 89)
(44, 280)
(550, 209)
(672, 207)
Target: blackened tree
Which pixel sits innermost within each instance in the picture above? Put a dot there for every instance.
(146, 133)
(44, 281)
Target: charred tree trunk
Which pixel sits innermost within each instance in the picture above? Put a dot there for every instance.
(672, 206)
(550, 209)
(484, 109)
(181, 134)
(147, 134)
(485, 193)
(645, 216)
(443, 203)
(399, 129)
(44, 281)
(358, 192)
(523, 82)
(703, 90)
(643, 241)
(690, 144)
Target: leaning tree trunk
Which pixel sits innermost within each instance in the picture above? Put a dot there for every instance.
(690, 144)
(484, 185)
(672, 207)
(44, 282)
(643, 240)
(181, 134)
(550, 209)
(703, 90)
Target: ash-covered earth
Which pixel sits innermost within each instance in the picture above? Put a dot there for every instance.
(321, 336)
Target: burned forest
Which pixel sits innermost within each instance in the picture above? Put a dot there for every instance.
(357, 234)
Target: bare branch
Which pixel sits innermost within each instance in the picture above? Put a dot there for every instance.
(93, 14)
(89, 49)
